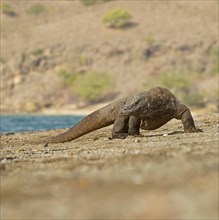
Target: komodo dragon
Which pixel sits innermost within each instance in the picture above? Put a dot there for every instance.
(148, 110)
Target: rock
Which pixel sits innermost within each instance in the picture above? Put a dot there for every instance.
(30, 107)
(4, 161)
(17, 79)
(137, 141)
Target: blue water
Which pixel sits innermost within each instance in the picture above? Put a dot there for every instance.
(21, 123)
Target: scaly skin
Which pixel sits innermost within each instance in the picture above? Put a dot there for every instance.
(148, 110)
(94, 121)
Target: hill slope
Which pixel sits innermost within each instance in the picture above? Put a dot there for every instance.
(52, 58)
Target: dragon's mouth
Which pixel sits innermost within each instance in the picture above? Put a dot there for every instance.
(124, 113)
(131, 113)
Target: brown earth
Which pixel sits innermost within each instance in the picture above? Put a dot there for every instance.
(158, 176)
(166, 37)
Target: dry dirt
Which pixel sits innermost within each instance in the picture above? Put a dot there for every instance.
(158, 176)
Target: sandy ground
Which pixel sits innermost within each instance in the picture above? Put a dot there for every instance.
(73, 109)
(159, 176)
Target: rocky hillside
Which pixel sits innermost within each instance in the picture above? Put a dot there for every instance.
(56, 54)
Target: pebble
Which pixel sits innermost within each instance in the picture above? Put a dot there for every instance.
(137, 141)
(165, 135)
(7, 160)
(4, 161)
(138, 180)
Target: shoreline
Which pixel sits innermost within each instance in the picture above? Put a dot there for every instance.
(86, 111)
(65, 110)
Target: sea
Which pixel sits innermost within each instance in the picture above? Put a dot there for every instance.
(27, 123)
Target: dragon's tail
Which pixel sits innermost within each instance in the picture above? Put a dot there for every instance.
(94, 121)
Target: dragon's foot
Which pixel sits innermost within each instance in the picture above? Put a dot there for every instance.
(119, 136)
(193, 130)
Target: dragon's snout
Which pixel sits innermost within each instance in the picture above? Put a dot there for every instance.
(129, 108)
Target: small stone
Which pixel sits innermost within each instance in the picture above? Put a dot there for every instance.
(96, 138)
(138, 180)
(4, 161)
(137, 152)
(30, 106)
(17, 79)
(165, 135)
(137, 141)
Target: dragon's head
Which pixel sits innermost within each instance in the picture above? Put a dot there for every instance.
(134, 105)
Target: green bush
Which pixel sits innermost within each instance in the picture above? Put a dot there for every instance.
(117, 18)
(214, 56)
(194, 97)
(183, 84)
(8, 10)
(82, 60)
(149, 39)
(175, 80)
(92, 2)
(68, 77)
(36, 9)
(90, 86)
(37, 52)
(215, 69)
